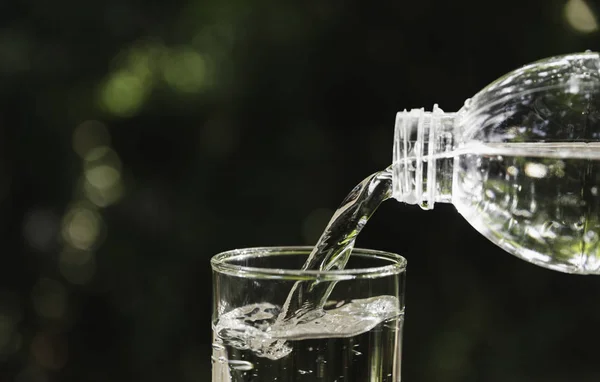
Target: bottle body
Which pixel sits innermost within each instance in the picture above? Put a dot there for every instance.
(520, 161)
(543, 209)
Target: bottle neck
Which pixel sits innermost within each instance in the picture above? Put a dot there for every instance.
(423, 164)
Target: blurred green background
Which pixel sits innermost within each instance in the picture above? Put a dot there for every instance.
(138, 139)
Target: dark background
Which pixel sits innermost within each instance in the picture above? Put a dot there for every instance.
(139, 138)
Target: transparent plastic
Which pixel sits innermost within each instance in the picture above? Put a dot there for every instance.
(520, 161)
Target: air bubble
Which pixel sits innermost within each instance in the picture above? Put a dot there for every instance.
(536, 170)
(241, 365)
(512, 170)
(243, 331)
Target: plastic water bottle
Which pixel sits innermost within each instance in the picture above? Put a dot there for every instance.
(520, 161)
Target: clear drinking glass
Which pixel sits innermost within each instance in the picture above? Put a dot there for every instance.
(356, 336)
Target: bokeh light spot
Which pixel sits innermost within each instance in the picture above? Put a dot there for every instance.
(185, 70)
(102, 176)
(89, 135)
(98, 153)
(124, 93)
(103, 197)
(49, 350)
(40, 228)
(140, 61)
(102, 184)
(77, 267)
(49, 299)
(580, 16)
(81, 227)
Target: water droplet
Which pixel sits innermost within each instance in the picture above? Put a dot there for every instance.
(303, 372)
(241, 365)
(356, 352)
(594, 191)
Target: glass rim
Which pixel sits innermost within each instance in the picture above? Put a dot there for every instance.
(221, 263)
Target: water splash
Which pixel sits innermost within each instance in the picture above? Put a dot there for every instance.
(307, 298)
